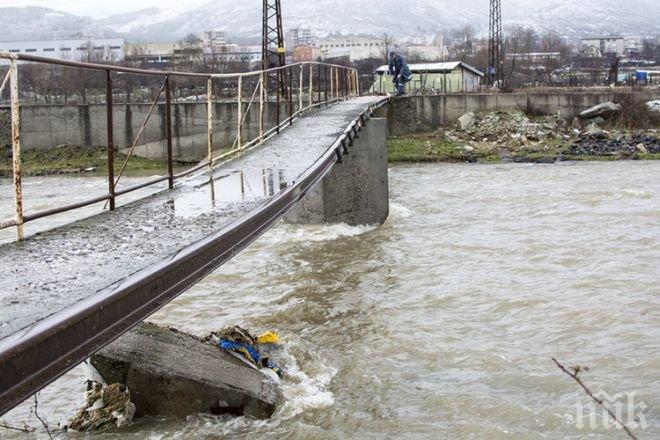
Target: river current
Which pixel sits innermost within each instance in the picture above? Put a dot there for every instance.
(442, 322)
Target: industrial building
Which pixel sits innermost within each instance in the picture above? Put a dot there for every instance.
(449, 77)
(92, 49)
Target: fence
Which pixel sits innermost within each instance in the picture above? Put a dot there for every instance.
(296, 87)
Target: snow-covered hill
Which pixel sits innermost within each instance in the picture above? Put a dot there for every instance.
(242, 18)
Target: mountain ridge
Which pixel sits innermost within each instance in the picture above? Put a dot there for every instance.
(242, 20)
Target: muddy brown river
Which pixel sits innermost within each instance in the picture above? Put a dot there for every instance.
(442, 322)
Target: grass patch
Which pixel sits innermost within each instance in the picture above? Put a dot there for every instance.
(426, 149)
(72, 159)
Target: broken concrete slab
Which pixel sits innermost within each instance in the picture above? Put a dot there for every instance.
(603, 109)
(466, 121)
(175, 374)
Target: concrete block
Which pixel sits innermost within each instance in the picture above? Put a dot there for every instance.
(356, 191)
(174, 374)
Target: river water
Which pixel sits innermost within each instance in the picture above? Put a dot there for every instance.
(442, 322)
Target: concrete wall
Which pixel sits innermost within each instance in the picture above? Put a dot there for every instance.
(427, 113)
(47, 126)
(356, 191)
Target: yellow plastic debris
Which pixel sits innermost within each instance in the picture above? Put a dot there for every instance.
(268, 338)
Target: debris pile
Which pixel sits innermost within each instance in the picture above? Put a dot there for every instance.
(602, 143)
(106, 407)
(515, 126)
(514, 135)
(255, 351)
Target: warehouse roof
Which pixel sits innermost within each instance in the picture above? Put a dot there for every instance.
(445, 67)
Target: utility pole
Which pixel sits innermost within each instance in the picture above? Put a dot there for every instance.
(495, 46)
(272, 44)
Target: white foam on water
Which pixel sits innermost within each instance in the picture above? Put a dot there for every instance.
(636, 193)
(304, 391)
(294, 233)
(314, 233)
(399, 211)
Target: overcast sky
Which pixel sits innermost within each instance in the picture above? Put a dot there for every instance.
(99, 9)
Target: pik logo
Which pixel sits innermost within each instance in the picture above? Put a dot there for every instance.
(625, 407)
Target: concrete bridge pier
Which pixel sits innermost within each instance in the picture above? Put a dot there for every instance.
(356, 190)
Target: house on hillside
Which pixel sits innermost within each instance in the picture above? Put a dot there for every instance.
(449, 77)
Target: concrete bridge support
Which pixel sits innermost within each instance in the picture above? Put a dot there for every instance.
(356, 191)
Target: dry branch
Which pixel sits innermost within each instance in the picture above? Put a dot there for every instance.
(575, 375)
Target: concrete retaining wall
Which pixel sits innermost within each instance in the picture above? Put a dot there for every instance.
(427, 113)
(47, 126)
(356, 191)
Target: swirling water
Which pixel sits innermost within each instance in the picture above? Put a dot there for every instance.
(442, 322)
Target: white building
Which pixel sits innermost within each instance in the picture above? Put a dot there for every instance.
(353, 48)
(70, 50)
(213, 41)
(298, 37)
(158, 54)
(237, 53)
(606, 45)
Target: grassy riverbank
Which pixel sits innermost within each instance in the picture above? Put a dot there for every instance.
(435, 147)
(516, 137)
(72, 159)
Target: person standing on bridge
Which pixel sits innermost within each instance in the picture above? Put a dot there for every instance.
(400, 71)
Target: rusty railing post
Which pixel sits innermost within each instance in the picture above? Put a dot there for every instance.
(16, 148)
(290, 95)
(168, 129)
(261, 107)
(332, 83)
(325, 84)
(318, 74)
(300, 89)
(311, 85)
(279, 99)
(111, 146)
(209, 121)
(239, 134)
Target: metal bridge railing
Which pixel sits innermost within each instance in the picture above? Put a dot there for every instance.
(299, 87)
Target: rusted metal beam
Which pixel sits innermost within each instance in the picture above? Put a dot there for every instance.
(162, 73)
(16, 149)
(48, 212)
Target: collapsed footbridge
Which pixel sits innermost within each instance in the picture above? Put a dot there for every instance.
(318, 155)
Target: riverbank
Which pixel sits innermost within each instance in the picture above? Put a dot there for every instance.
(496, 137)
(72, 160)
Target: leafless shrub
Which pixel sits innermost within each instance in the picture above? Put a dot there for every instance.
(635, 115)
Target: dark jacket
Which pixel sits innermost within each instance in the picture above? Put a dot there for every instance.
(398, 66)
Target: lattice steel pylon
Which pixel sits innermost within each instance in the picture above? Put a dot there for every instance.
(272, 42)
(495, 46)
